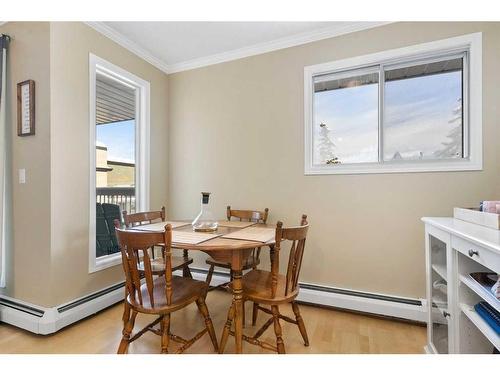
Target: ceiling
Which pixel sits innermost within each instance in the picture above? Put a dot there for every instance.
(176, 46)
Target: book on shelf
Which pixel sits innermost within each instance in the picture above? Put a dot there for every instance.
(489, 315)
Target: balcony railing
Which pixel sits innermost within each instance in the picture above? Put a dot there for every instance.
(122, 196)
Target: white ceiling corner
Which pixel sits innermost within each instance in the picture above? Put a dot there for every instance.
(177, 46)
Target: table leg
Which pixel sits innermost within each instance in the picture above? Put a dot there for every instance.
(236, 267)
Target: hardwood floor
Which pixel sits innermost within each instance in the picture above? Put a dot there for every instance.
(330, 331)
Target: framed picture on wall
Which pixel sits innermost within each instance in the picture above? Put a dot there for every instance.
(26, 108)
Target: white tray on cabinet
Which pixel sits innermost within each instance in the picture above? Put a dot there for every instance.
(473, 215)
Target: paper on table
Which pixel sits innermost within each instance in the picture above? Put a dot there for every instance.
(160, 226)
(192, 237)
(253, 234)
(236, 224)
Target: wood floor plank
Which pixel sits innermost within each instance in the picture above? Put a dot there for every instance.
(330, 331)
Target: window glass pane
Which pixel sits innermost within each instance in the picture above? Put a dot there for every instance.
(423, 111)
(115, 159)
(345, 120)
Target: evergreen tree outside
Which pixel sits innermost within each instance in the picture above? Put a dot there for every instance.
(326, 146)
(453, 148)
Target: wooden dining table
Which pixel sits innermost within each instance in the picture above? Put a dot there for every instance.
(228, 250)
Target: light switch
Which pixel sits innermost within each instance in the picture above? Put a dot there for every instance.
(22, 176)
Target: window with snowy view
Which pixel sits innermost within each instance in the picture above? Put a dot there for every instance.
(423, 111)
(390, 113)
(346, 119)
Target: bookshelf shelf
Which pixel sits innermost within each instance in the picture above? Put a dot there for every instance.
(440, 270)
(481, 325)
(455, 249)
(479, 290)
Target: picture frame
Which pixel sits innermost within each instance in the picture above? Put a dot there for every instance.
(26, 108)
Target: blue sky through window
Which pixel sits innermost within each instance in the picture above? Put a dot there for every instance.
(119, 138)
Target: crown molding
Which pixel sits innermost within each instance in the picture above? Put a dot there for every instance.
(236, 54)
(277, 44)
(126, 43)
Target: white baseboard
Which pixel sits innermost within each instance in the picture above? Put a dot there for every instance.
(43, 320)
(390, 306)
(47, 320)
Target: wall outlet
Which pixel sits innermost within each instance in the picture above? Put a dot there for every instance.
(22, 176)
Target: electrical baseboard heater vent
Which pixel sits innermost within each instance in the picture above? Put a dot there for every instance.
(89, 298)
(326, 289)
(21, 307)
(355, 293)
(44, 321)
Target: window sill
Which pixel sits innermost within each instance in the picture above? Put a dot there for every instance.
(104, 262)
(421, 167)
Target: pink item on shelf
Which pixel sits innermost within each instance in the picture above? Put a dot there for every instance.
(490, 206)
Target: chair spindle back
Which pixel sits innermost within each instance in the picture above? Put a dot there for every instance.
(133, 246)
(248, 215)
(146, 217)
(297, 235)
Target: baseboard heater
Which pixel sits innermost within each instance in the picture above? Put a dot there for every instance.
(90, 297)
(373, 303)
(47, 320)
(19, 306)
(355, 293)
(44, 321)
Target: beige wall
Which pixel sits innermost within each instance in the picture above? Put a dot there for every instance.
(70, 44)
(48, 263)
(237, 130)
(29, 257)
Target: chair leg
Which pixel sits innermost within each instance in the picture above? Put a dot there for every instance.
(257, 257)
(126, 310)
(254, 313)
(277, 330)
(127, 330)
(227, 327)
(202, 307)
(186, 272)
(165, 331)
(243, 313)
(210, 274)
(300, 322)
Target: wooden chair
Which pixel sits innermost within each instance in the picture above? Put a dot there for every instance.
(158, 264)
(160, 295)
(274, 289)
(254, 260)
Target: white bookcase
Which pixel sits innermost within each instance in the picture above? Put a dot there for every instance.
(454, 249)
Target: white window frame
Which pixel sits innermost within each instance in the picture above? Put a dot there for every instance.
(472, 113)
(142, 155)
